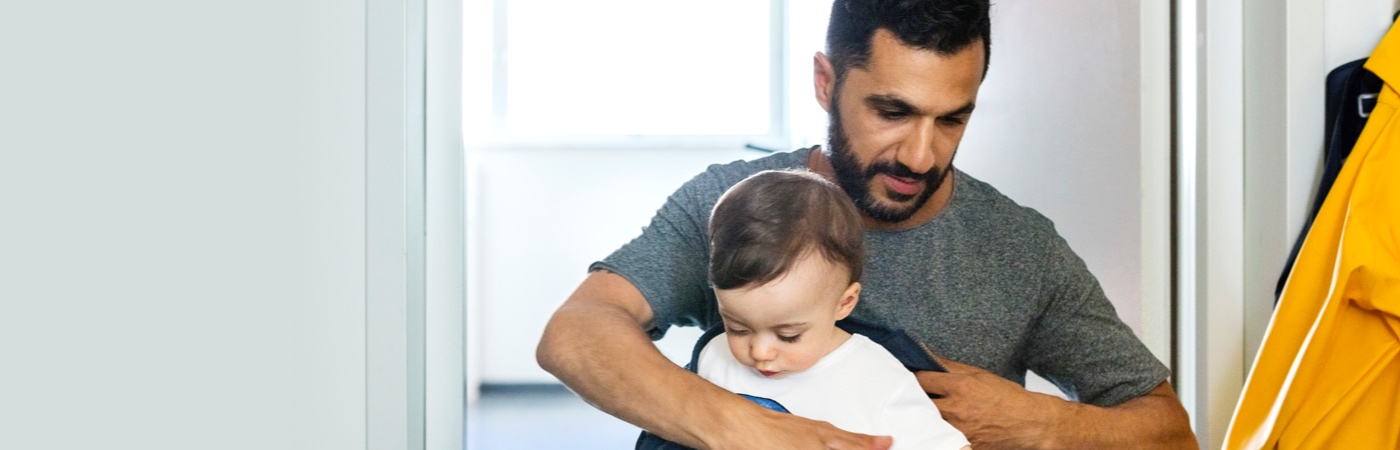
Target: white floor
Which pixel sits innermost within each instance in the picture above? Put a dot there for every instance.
(549, 418)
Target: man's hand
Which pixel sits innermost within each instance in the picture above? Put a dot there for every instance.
(991, 411)
(994, 412)
(774, 430)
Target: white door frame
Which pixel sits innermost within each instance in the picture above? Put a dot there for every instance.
(1210, 215)
(1250, 77)
(415, 249)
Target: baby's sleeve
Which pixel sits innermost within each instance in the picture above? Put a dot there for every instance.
(914, 422)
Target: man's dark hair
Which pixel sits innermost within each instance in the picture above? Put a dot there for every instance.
(942, 26)
(762, 225)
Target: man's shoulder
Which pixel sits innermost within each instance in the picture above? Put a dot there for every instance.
(986, 206)
(727, 174)
(703, 190)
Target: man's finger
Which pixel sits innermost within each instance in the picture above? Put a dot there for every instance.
(944, 405)
(934, 382)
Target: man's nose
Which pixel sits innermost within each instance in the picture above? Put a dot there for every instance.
(917, 150)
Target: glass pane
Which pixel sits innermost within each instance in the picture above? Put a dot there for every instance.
(477, 112)
(806, 36)
(638, 67)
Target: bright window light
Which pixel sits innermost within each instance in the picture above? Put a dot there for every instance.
(638, 67)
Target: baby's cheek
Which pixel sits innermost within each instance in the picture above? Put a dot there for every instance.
(806, 360)
(740, 351)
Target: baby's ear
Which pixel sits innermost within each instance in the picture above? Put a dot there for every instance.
(848, 301)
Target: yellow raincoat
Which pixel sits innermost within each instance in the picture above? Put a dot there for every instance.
(1328, 373)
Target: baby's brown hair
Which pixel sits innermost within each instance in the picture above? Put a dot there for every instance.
(763, 224)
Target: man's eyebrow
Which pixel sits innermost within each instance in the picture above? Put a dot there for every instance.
(889, 102)
(962, 111)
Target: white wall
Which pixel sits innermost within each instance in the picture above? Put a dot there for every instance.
(1057, 128)
(182, 262)
(1354, 27)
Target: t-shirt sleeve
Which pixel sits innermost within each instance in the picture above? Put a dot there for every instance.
(914, 422)
(1080, 344)
(669, 261)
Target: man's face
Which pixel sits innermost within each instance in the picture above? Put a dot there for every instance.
(896, 124)
(787, 325)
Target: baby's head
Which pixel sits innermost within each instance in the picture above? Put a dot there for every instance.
(786, 249)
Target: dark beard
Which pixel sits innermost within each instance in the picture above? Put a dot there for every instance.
(856, 181)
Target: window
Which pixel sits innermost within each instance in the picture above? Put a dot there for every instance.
(642, 72)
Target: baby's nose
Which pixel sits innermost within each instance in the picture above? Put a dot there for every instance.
(763, 352)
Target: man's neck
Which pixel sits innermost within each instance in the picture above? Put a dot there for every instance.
(818, 162)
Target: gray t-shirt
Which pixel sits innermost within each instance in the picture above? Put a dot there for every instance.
(986, 282)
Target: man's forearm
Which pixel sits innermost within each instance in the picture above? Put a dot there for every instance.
(608, 360)
(1155, 420)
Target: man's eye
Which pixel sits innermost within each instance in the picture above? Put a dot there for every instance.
(790, 339)
(953, 120)
(892, 115)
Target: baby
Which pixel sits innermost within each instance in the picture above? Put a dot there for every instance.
(786, 256)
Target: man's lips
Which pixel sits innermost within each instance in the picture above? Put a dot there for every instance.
(905, 186)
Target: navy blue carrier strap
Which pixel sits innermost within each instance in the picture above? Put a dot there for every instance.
(897, 342)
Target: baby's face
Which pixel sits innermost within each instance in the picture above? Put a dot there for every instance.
(789, 324)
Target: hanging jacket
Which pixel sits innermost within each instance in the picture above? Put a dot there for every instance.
(1328, 372)
(1351, 95)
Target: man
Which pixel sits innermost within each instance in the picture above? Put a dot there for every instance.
(979, 280)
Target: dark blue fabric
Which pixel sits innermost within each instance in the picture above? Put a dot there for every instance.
(1345, 106)
(897, 342)
(650, 441)
(766, 403)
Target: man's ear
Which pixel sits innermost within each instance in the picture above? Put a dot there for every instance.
(848, 301)
(823, 79)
